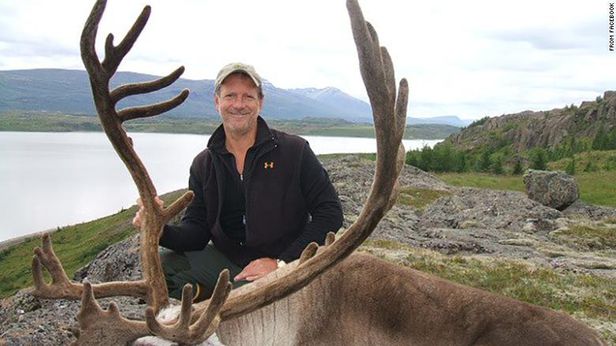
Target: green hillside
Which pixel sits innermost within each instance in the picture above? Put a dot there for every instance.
(59, 122)
(509, 144)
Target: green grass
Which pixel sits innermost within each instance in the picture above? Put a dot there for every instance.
(483, 180)
(595, 187)
(596, 160)
(75, 246)
(587, 237)
(419, 198)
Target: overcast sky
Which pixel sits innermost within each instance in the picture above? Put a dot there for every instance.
(466, 58)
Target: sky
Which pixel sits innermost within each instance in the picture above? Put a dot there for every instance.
(469, 58)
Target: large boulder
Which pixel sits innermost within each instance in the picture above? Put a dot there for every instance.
(554, 189)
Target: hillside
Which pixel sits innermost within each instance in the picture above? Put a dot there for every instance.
(59, 122)
(546, 129)
(68, 92)
(511, 143)
(56, 90)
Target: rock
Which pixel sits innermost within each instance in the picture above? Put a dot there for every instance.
(487, 209)
(118, 262)
(582, 209)
(556, 190)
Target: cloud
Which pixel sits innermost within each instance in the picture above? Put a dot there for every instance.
(470, 58)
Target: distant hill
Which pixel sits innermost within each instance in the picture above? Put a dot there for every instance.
(546, 129)
(513, 142)
(451, 120)
(338, 100)
(68, 91)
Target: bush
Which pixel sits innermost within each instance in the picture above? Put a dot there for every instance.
(538, 159)
(518, 169)
(570, 169)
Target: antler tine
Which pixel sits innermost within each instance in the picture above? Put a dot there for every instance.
(114, 55)
(389, 120)
(105, 327)
(330, 238)
(177, 206)
(309, 251)
(206, 324)
(62, 287)
(152, 110)
(146, 87)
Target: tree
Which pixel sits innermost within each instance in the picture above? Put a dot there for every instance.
(484, 163)
(518, 169)
(497, 165)
(538, 159)
(601, 140)
(570, 169)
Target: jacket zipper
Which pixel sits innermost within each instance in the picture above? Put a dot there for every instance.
(250, 169)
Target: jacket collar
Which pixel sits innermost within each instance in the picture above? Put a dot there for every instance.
(264, 134)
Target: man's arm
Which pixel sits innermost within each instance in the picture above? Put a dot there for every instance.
(322, 202)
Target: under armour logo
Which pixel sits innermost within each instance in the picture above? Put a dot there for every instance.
(269, 165)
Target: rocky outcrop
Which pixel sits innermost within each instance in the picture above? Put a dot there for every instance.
(554, 189)
(546, 129)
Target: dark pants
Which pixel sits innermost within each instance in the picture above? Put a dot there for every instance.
(196, 267)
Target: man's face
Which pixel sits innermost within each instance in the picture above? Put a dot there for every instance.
(238, 104)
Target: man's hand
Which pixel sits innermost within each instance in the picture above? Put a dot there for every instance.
(139, 213)
(257, 269)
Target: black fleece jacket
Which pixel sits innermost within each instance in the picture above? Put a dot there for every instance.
(290, 200)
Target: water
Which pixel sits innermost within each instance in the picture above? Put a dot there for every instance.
(49, 180)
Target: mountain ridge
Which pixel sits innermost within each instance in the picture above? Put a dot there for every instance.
(62, 90)
(547, 129)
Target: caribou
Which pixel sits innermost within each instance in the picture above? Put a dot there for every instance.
(330, 295)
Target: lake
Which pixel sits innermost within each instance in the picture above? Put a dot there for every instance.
(50, 180)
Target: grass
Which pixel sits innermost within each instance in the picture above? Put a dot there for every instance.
(596, 160)
(75, 246)
(585, 296)
(419, 198)
(484, 181)
(587, 237)
(595, 187)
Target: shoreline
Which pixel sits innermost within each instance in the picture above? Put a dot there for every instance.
(5, 244)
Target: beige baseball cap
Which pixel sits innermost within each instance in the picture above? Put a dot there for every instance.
(234, 68)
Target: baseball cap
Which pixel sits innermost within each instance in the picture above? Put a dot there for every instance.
(234, 68)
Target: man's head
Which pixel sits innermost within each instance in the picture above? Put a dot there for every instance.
(238, 67)
(238, 99)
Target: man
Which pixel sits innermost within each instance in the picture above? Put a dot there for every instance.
(261, 196)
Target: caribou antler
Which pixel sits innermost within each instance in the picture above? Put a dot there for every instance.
(389, 111)
(153, 286)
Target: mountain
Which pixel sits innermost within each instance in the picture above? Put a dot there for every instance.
(546, 129)
(56, 90)
(68, 91)
(338, 100)
(440, 120)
